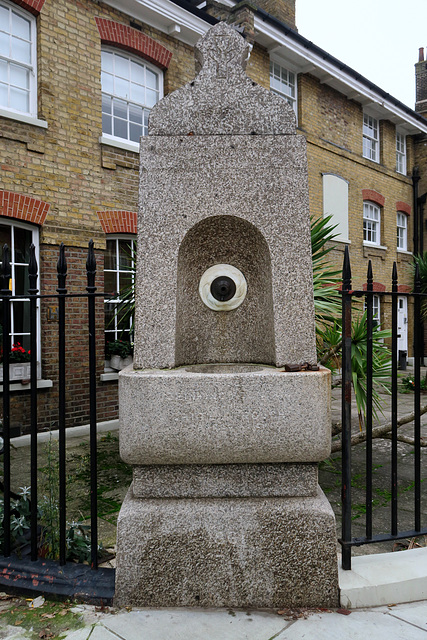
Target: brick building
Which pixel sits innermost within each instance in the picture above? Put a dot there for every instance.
(77, 81)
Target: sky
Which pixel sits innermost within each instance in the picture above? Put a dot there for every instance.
(378, 38)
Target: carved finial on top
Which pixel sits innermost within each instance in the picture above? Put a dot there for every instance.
(222, 99)
(222, 53)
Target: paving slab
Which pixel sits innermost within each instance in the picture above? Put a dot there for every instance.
(359, 624)
(415, 613)
(194, 624)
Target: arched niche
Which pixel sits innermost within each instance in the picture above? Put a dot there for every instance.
(245, 334)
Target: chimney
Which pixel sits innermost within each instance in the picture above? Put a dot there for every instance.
(421, 84)
(283, 10)
(240, 16)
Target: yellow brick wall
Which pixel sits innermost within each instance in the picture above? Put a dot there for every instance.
(65, 164)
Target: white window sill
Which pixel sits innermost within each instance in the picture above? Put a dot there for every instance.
(372, 245)
(18, 386)
(368, 158)
(108, 376)
(404, 251)
(22, 117)
(119, 143)
(341, 240)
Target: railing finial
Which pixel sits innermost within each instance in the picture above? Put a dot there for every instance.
(91, 266)
(346, 271)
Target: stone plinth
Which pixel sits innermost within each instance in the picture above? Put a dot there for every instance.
(225, 552)
(224, 414)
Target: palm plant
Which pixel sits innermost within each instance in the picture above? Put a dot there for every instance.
(327, 305)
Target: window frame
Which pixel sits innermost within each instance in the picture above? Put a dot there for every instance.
(35, 238)
(291, 100)
(371, 137)
(376, 310)
(30, 67)
(116, 332)
(404, 228)
(109, 138)
(374, 225)
(401, 155)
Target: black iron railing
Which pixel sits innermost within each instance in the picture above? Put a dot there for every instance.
(347, 541)
(37, 574)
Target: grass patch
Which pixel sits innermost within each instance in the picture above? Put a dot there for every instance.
(51, 620)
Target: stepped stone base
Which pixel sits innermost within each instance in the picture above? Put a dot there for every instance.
(227, 552)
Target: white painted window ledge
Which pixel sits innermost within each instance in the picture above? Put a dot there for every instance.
(23, 117)
(19, 386)
(119, 143)
(371, 245)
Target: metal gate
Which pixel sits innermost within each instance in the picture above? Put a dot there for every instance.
(33, 573)
(348, 296)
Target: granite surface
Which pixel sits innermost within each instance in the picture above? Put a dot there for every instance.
(208, 200)
(225, 552)
(225, 481)
(190, 416)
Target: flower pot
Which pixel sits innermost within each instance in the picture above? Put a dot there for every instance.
(17, 371)
(127, 361)
(116, 362)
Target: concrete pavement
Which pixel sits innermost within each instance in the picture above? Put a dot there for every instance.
(403, 622)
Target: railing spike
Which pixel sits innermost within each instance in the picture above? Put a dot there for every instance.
(61, 268)
(346, 271)
(394, 274)
(32, 263)
(5, 267)
(32, 271)
(370, 275)
(91, 266)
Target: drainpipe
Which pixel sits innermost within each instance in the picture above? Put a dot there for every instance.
(415, 181)
(421, 203)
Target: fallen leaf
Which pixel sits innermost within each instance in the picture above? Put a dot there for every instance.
(48, 615)
(63, 612)
(18, 622)
(344, 612)
(46, 633)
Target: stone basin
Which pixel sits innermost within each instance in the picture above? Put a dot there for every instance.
(224, 414)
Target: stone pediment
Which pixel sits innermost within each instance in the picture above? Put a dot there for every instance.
(222, 99)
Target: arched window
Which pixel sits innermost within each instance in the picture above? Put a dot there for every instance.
(371, 223)
(19, 236)
(18, 83)
(402, 231)
(119, 274)
(130, 88)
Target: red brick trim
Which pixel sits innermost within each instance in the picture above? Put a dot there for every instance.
(33, 6)
(118, 221)
(25, 208)
(402, 206)
(376, 286)
(373, 196)
(404, 288)
(120, 35)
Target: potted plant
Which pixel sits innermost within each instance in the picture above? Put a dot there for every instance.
(120, 353)
(19, 363)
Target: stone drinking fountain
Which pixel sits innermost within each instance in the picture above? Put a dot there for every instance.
(224, 415)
